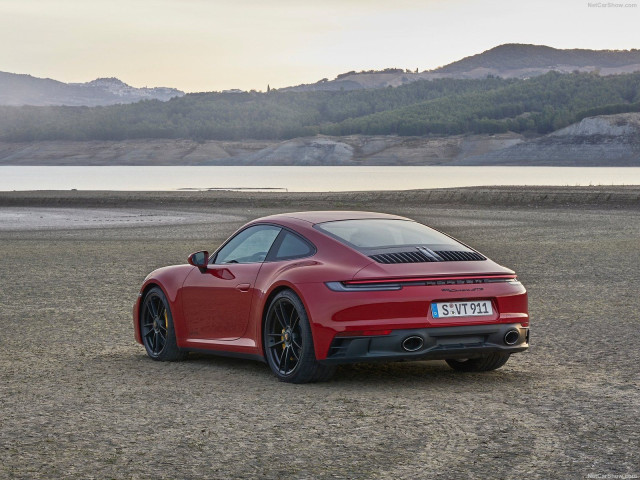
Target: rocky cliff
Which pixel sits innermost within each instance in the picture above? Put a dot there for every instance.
(608, 140)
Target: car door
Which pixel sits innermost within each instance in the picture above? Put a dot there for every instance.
(217, 302)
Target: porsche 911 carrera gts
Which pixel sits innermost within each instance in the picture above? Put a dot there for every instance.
(307, 291)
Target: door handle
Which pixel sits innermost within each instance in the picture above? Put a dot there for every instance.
(244, 287)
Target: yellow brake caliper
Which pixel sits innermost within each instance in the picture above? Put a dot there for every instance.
(166, 321)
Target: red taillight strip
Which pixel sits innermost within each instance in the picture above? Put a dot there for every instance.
(481, 278)
(379, 285)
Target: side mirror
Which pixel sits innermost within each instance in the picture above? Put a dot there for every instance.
(199, 259)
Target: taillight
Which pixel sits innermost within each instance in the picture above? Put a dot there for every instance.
(362, 287)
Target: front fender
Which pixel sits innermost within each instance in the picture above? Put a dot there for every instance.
(170, 281)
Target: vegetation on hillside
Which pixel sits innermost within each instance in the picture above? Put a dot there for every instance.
(446, 106)
(514, 56)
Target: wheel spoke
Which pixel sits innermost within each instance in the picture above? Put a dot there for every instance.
(274, 334)
(152, 308)
(293, 350)
(284, 312)
(282, 359)
(293, 312)
(277, 343)
(281, 322)
(295, 324)
(286, 359)
(296, 344)
(283, 316)
(151, 341)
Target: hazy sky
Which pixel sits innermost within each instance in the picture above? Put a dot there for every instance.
(205, 45)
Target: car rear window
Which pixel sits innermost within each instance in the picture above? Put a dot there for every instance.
(382, 233)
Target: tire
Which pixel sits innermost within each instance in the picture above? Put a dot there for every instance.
(288, 342)
(158, 336)
(485, 363)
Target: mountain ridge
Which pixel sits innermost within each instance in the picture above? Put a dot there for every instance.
(509, 60)
(23, 89)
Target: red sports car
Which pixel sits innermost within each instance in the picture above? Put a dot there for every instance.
(307, 291)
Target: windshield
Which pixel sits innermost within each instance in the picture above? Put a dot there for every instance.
(381, 233)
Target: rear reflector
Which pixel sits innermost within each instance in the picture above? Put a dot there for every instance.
(364, 333)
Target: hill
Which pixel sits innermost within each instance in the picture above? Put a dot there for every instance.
(440, 107)
(506, 61)
(18, 89)
(513, 56)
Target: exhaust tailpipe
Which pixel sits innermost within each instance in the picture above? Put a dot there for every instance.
(511, 337)
(413, 343)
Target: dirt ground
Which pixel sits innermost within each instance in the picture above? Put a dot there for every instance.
(80, 399)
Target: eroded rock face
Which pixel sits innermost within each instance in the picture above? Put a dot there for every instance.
(621, 125)
(607, 140)
(302, 151)
(319, 150)
(612, 140)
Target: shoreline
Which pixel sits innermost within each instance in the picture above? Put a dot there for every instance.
(616, 196)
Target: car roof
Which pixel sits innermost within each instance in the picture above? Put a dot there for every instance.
(314, 217)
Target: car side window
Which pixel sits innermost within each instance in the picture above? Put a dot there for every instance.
(292, 246)
(251, 245)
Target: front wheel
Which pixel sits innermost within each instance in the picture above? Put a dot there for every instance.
(288, 342)
(156, 327)
(485, 363)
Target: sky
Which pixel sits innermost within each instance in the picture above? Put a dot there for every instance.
(210, 45)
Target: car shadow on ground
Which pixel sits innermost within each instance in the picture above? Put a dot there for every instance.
(358, 375)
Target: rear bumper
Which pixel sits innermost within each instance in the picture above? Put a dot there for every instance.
(438, 344)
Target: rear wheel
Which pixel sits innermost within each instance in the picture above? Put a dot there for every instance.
(288, 342)
(485, 363)
(156, 328)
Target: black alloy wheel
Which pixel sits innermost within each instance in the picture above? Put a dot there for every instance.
(156, 327)
(289, 343)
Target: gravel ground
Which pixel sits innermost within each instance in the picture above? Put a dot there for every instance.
(79, 398)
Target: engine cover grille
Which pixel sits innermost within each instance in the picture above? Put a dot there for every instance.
(425, 255)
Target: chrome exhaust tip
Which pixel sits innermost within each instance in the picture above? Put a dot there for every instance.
(412, 343)
(511, 337)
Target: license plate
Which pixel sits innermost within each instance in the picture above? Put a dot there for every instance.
(480, 308)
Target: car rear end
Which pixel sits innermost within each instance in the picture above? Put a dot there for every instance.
(436, 299)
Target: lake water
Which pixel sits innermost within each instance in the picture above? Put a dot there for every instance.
(303, 179)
